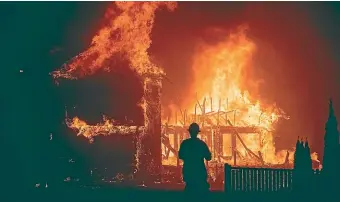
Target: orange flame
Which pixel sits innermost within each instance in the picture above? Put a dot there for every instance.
(127, 34)
(219, 74)
(105, 128)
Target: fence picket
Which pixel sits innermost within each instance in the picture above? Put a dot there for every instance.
(258, 179)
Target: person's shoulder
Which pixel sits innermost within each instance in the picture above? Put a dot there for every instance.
(202, 142)
(185, 141)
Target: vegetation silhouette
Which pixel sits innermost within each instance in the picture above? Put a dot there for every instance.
(330, 169)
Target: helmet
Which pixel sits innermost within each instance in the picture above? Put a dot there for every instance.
(194, 127)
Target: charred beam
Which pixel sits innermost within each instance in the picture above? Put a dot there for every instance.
(150, 142)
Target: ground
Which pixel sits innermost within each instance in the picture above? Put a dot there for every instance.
(119, 194)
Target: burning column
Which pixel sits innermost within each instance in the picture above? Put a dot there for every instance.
(150, 143)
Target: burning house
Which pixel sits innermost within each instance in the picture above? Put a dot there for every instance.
(237, 128)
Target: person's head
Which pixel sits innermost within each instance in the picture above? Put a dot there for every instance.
(194, 129)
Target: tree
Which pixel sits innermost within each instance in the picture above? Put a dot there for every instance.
(298, 165)
(331, 143)
(331, 150)
(302, 166)
(297, 154)
(308, 159)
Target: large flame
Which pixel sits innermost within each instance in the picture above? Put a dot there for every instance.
(218, 76)
(219, 71)
(127, 34)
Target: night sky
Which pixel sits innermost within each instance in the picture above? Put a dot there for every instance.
(298, 45)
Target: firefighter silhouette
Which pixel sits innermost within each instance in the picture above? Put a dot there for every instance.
(193, 151)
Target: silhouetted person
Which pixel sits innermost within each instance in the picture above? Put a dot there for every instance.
(193, 151)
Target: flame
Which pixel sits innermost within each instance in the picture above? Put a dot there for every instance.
(314, 157)
(218, 72)
(105, 128)
(127, 34)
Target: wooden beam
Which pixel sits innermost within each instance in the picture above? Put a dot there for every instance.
(245, 146)
(203, 113)
(166, 143)
(199, 104)
(261, 157)
(218, 112)
(233, 147)
(224, 130)
(195, 118)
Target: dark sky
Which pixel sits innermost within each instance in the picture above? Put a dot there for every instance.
(39, 37)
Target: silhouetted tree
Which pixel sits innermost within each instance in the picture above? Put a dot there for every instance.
(297, 165)
(308, 160)
(331, 149)
(302, 166)
(297, 154)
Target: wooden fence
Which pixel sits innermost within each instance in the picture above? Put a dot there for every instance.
(239, 179)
